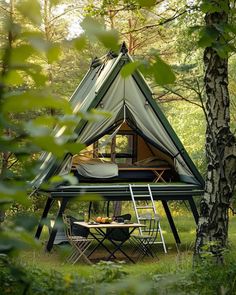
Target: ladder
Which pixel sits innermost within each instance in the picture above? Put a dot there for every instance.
(149, 207)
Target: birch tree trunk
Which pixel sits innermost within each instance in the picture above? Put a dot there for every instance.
(212, 232)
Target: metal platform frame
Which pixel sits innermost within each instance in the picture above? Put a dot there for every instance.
(118, 192)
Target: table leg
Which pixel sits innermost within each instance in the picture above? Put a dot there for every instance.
(118, 247)
(100, 243)
(158, 176)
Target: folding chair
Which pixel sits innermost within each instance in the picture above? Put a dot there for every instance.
(79, 242)
(143, 244)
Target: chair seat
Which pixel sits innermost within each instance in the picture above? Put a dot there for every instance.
(79, 238)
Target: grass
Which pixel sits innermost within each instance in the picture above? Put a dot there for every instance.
(173, 261)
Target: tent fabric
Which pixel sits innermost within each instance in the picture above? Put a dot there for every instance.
(120, 94)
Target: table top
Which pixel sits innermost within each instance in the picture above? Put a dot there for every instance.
(109, 225)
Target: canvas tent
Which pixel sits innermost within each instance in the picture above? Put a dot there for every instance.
(131, 103)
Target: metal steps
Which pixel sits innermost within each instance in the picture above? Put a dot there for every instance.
(149, 209)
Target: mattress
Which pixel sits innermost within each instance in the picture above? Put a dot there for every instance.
(96, 168)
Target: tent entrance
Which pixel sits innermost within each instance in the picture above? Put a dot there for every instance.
(127, 152)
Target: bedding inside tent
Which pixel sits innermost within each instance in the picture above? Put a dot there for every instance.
(123, 156)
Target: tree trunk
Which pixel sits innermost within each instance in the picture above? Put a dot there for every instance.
(117, 208)
(212, 232)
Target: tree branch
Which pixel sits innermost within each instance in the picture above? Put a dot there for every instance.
(8, 11)
(156, 25)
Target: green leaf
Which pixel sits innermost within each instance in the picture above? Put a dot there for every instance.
(26, 221)
(146, 3)
(109, 39)
(62, 178)
(162, 72)
(230, 28)
(13, 78)
(49, 144)
(37, 41)
(39, 78)
(90, 197)
(21, 53)
(95, 115)
(33, 100)
(30, 9)
(34, 129)
(91, 26)
(194, 29)
(95, 30)
(129, 69)
(80, 42)
(53, 53)
(74, 148)
(214, 6)
(222, 50)
(208, 35)
(11, 191)
(55, 2)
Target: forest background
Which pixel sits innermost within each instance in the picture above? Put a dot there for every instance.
(48, 46)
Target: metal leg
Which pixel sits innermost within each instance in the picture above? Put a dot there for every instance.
(118, 246)
(100, 242)
(57, 221)
(108, 207)
(194, 209)
(89, 210)
(171, 221)
(48, 205)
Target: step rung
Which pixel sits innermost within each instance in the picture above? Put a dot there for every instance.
(143, 218)
(144, 207)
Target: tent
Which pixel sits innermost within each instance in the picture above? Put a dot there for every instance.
(130, 100)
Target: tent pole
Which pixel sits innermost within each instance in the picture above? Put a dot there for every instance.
(56, 224)
(47, 207)
(171, 221)
(194, 209)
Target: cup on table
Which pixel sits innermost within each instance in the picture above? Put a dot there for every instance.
(120, 219)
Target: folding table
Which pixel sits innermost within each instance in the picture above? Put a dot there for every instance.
(101, 229)
(157, 171)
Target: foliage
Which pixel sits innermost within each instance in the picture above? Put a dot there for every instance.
(189, 123)
(22, 279)
(107, 278)
(207, 278)
(109, 271)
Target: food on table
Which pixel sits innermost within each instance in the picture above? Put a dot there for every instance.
(100, 219)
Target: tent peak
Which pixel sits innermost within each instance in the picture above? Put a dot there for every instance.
(97, 61)
(123, 48)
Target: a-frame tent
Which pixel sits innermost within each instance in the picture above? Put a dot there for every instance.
(130, 100)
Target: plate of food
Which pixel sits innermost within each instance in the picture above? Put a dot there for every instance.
(103, 220)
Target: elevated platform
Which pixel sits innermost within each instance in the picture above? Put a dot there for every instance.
(117, 192)
(120, 191)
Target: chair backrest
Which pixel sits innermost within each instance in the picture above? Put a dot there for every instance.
(118, 234)
(151, 224)
(73, 229)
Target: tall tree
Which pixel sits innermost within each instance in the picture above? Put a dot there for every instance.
(212, 232)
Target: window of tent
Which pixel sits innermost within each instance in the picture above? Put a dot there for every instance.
(120, 149)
